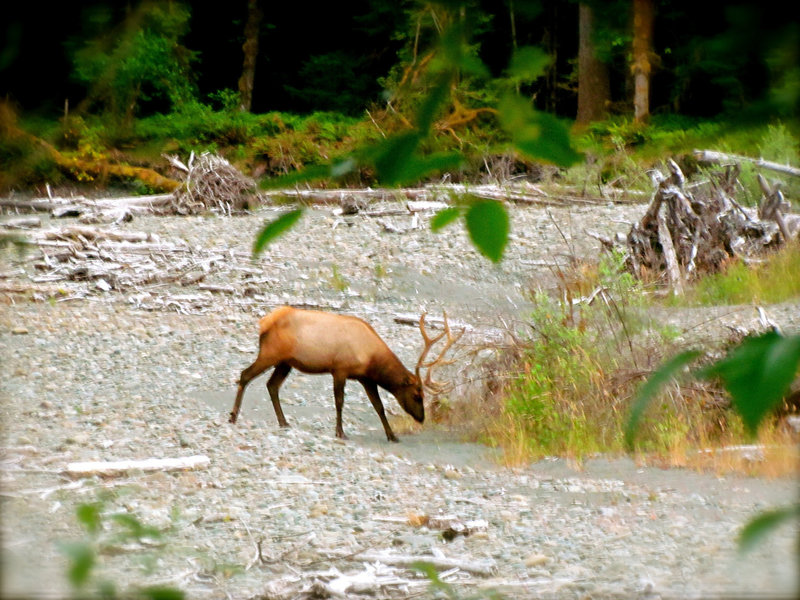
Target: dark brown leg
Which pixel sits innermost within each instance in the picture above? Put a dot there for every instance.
(338, 397)
(375, 398)
(251, 372)
(273, 385)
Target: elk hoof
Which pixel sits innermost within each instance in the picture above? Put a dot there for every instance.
(232, 418)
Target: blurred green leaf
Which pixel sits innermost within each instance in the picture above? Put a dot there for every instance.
(393, 157)
(433, 102)
(162, 593)
(538, 135)
(757, 374)
(429, 571)
(650, 389)
(81, 558)
(275, 228)
(488, 227)
(135, 528)
(89, 516)
(528, 63)
(420, 167)
(444, 217)
(764, 523)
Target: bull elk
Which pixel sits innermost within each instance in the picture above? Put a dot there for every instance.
(347, 348)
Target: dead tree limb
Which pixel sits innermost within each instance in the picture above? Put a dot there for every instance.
(720, 157)
(773, 206)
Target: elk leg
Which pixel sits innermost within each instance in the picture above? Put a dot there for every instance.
(338, 397)
(375, 398)
(250, 373)
(273, 385)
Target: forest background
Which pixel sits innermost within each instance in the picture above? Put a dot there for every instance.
(279, 87)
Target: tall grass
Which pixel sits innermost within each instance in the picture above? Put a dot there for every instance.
(565, 388)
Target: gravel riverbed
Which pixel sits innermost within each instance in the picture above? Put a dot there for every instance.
(106, 375)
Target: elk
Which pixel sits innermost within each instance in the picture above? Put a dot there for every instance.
(346, 347)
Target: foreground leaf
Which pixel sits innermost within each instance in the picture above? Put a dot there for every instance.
(444, 217)
(650, 389)
(488, 227)
(757, 374)
(528, 63)
(89, 516)
(162, 593)
(537, 134)
(764, 523)
(436, 583)
(276, 228)
(393, 157)
(135, 528)
(81, 561)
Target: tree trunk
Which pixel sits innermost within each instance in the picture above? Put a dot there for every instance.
(594, 91)
(643, 17)
(250, 48)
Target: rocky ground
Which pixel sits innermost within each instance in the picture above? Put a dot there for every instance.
(91, 373)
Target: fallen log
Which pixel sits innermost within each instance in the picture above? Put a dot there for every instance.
(22, 223)
(484, 568)
(120, 467)
(713, 156)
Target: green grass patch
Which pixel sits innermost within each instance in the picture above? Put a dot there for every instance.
(776, 279)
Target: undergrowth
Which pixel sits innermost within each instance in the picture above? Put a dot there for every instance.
(775, 279)
(617, 151)
(565, 387)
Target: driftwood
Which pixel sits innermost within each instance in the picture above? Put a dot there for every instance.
(773, 206)
(477, 567)
(685, 233)
(120, 467)
(79, 261)
(211, 184)
(720, 157)
(416, 198)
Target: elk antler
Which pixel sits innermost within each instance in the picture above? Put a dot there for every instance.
(435, 386)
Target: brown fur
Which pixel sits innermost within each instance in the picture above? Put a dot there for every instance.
(346, 347)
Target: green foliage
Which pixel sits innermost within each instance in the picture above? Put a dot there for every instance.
(757, 374)
(488, 227)
(337, 280)
(404, 157)
(276, 228)
(647, 392)
(141, 60)
(83, 555)
(765, 523)
(537, 134)
(442, 589)
(486, 221)
(549, 398)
